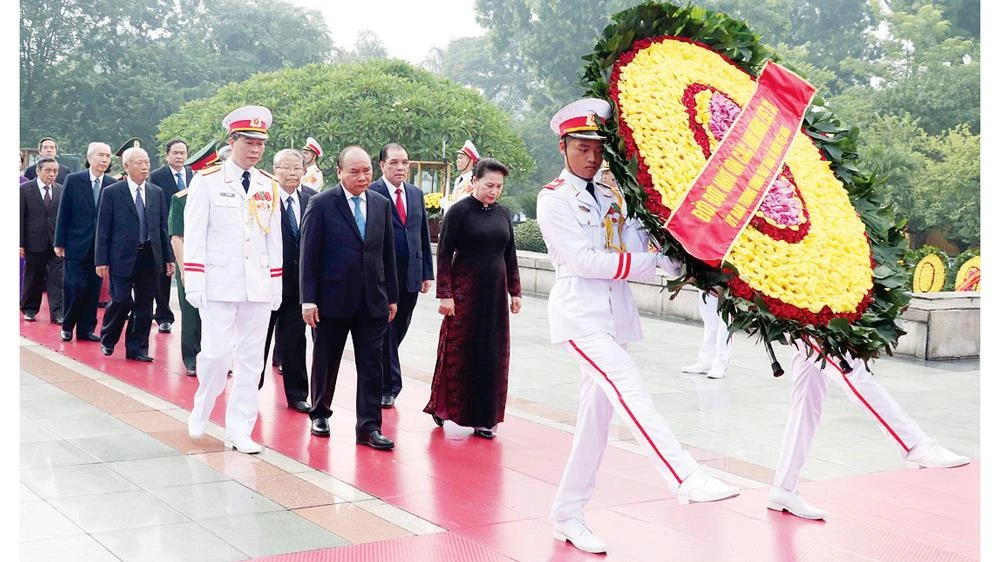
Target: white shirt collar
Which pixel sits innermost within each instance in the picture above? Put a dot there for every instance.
(133, 187)
(174, 172)
(284, 195)
(364, 195)
(93, 178)
(41, 184)
(234, 168)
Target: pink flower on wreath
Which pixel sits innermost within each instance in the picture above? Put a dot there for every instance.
(780, 203)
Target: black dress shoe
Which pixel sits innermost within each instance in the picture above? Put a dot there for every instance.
(107, 350)
(300, 406)
(140, 357)
(484, 433)
(88, 337)
(164, 327)
(190, 371)
(388, 401)
(437, 420)
(376, 440)
(65, 336)
(30, 316)
(320, 427)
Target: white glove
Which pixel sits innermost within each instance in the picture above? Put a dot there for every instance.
(275, 304)
(195, 298)
(670, 265)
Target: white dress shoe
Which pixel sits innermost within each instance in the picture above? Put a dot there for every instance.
(696, 369)
(196, 428)
(792, 502)
(700, 487)
(928, 454)
(243, 444)
(716, 373)
(579, 536)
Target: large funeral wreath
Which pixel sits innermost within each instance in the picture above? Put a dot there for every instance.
(821, 257)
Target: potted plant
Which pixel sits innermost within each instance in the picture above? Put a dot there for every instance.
(432, 203)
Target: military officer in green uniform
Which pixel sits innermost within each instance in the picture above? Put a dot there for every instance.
(190, 319)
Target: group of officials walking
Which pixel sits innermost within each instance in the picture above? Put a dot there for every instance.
(260, 252)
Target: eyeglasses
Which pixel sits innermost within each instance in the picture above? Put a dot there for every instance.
(289, 168)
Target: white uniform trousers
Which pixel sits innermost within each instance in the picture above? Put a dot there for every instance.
(716, 345)
(808, 392)
(232, 334)
(611, 382)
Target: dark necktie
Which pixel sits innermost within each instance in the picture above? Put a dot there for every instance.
(180, 181)
(47, 198)
(400, 208)
(292, 223)
(590, 190)
(246, 181)
(141, 210)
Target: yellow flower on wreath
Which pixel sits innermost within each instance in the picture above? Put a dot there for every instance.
(831, 266)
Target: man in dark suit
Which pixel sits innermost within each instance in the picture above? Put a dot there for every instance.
(131, 250)
(47, 149)
(43, 269)
(76, 224)
(291, 329)
(414, 265)
(171, 178)
(347, 281)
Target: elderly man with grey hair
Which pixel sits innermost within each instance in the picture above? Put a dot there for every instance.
(131, 250)
(76, 225)
(287, 325)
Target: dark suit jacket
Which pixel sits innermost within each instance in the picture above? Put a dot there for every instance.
(38, 226)
(291, 250)
(117, 238)
(76, 222)
(31, 173)
(164, 178)
(414, 262)
(339, 272)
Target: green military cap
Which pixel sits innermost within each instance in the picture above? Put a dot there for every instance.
(205, 157)
(134, 142)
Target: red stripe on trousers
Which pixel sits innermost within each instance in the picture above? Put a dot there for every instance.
(628, 410)
(621, 261)
(862, 398)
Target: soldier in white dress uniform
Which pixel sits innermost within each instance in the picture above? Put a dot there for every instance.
(465, 161)
(595, 249)
(716, 344)
(313, 176)
(809, 374)
(232, 274)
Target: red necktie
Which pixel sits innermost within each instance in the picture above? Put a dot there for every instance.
(400, 208)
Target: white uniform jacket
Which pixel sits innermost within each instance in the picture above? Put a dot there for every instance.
(313, 178)
(595, 249)
(232, 239)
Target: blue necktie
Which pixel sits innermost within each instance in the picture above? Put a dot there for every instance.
(180, 181)
(292, 223)
(141, 210)
(359, 217)
(97, 189)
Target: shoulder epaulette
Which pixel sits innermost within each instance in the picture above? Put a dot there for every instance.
(210, 170)
(268, 174)
(554, 184)
(181, 193)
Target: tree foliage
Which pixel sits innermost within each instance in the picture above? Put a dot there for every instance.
(109, 69)
(369, 103)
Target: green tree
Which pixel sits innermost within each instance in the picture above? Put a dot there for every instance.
(109, 69)
(369, 104)
(950, 185)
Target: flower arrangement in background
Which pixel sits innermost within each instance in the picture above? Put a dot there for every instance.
(432, 203)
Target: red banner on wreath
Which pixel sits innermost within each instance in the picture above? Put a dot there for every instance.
(731, 186)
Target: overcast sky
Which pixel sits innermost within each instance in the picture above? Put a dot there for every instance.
(407, 28)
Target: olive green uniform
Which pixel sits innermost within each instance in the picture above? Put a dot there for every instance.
(190, 319)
